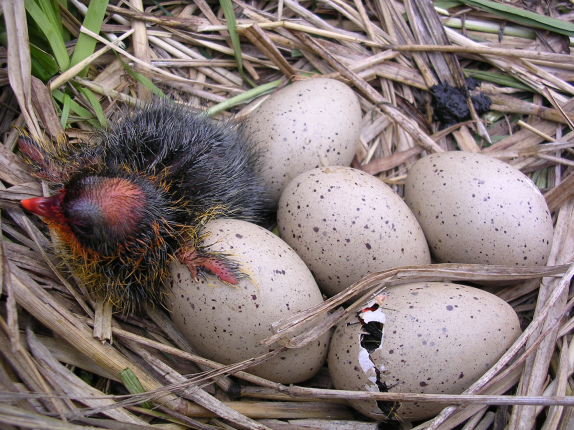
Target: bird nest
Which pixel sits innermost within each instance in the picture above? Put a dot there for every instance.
(67, 363)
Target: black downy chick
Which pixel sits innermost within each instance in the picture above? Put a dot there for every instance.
(136, 197)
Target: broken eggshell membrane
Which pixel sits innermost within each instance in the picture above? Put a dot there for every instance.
(427, 337)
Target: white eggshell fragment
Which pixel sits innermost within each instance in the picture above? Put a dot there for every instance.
(477, 209)
(308, 124)
(226, 323)
(345, 224)
(435, 338)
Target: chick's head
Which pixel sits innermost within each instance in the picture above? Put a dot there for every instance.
(102, 214)
(116, 233)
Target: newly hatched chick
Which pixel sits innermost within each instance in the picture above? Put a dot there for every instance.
(135, 197)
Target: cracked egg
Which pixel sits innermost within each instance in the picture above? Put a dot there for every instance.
(430, 337)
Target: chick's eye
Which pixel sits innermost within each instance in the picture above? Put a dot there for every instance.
(83, 215)
(83, 229)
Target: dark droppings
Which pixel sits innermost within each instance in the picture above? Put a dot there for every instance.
(450, 106)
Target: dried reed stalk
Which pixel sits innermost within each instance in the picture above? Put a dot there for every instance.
(187, 50)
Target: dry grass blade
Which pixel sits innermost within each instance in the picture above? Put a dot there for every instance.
(428, 30)
(19, 67)
(141, 49)
(284, 410)
(560, 194)
(55, 374)
(507, 104)
(258, 37)
(189, 23)
(15, 416)
(483, 50)
(73, 385)
(520, 342)
(409, 126)
(434, 272)
(439, 398)
(391, 161)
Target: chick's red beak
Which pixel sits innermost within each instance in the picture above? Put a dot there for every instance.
(48, 207)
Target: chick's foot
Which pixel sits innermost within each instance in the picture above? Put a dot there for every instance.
(218, 265)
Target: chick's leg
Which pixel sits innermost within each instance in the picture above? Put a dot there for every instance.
(200, 261)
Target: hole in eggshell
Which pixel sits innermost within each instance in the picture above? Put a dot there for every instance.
(372, 334)
(372, 319)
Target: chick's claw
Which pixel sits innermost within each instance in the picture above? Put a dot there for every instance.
(220, 266)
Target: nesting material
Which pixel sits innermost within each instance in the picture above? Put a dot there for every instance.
(224, 58)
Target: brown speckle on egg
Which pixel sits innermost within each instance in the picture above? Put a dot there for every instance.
(225, 323)
(310, 123)
(361, 226)
(421, 348)
(477, 209)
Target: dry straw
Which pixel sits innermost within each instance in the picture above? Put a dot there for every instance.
(55, 374)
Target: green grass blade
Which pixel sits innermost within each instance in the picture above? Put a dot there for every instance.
(50, 31)
(243, 98)
(96, 106)
(133, 385)
(67, 102)
(163, 9)
(227, 8)
(93, 21)
(39, 71)
(57, 4)
(525, 17)
(446, 4)
(84, 114)
(55, 8)
(497, 78)
(143, 80)
(37, 38)
(52, 13)
(44, 65)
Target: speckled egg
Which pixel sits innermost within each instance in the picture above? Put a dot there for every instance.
(226, 323)
(426, 337)
(477, 209)
(345, 224)
(311, 123)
